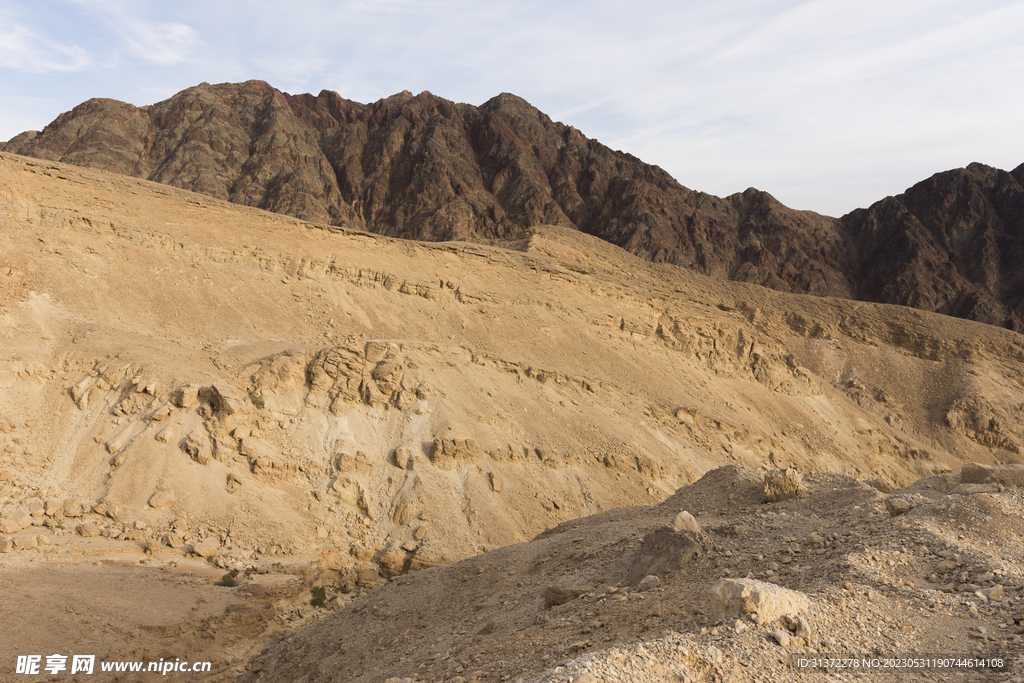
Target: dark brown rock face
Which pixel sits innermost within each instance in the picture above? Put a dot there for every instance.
(953, 244)
(423, 167)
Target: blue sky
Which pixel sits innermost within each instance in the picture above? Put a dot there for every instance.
(827, 104)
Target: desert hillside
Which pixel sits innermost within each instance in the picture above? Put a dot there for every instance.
(186, 378)
(424, 167)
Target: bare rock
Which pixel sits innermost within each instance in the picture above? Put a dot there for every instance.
(88, 529)
(730, 597)
(207, 547)
(664, 550)
(15, 521)
(36, 507)
(6, 544)
(197, 445)
(782, 485)
(897, 506)
(994, 593)
(648, 582)
(228, 400)
(54, 506)
(187, 397)
(975, 473)
(1009, 475)
(162, 499)
(684, 521)
(174, 540)
(26, 542)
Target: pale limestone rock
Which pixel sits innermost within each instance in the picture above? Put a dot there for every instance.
(730, 597)
(684, 521)
(648, 582)
(15, 521)
(207, 547)
(88, 529)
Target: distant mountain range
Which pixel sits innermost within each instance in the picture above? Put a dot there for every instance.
(423, 167)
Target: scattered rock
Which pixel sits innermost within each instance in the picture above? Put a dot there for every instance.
(6, 544)
(781, 637)
(234, 482)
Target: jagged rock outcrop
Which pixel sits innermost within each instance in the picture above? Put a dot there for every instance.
(423, 167)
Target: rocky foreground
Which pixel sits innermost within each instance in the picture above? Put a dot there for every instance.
(756, 576)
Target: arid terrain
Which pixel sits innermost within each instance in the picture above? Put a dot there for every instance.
(479, 449)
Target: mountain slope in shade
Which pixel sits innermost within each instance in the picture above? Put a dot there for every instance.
(423, 167)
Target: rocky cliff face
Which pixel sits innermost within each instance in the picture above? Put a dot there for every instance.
(423, 167)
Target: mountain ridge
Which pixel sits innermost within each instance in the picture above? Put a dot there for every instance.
(422, 167)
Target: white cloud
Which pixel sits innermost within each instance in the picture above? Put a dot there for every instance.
(155, 42)
(22, 49)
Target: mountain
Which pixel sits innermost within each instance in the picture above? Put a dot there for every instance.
(423, 167)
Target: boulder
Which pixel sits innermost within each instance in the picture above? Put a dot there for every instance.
(664, 550)
(1009, 475)
(88, 529)
(975, 473)
(26, 542)
(207, 547)
(897, 506)
(732, 597)
(15, 521)
(782, 485)
(684, 521)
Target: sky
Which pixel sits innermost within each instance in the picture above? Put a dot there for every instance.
(829, 105)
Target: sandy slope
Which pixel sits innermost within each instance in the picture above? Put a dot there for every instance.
(421, 402)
